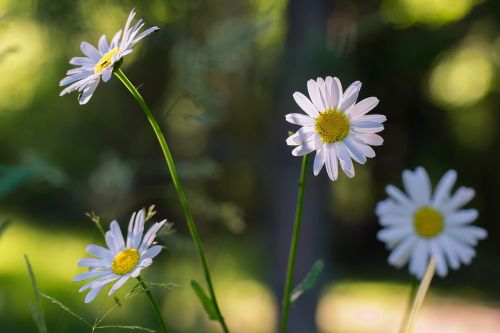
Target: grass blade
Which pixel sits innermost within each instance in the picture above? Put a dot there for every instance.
(137, 328)
(37, 307)
(65, 308)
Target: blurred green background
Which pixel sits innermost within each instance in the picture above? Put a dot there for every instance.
(219, 76)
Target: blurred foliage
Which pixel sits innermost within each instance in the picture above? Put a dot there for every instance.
(215, 75)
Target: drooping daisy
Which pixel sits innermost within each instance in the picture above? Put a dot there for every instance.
(99, 62)
(121, 260)
(419, 225)
(335, 126)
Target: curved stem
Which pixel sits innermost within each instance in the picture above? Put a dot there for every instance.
(155, 305)
(420, 295)
(178, 187)
(293, 247)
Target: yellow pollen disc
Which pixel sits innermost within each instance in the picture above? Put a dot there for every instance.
(125, 261)
(105, 61)
(332, 126)
(428, 222)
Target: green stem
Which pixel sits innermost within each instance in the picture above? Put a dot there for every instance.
(293, 247)
(178, 187)
(155, 305)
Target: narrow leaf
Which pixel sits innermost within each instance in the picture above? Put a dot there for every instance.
(207, 303)
(37, 307)
(308, 282)
(65, 308)
(138, 328)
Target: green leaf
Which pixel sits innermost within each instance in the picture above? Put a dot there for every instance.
(65, 308)
(308, 282)
(138, 328)
(37, 307)
(207, 303)
(3, 226)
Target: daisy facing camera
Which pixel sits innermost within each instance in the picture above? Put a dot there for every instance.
(419, 225)
(335, 126)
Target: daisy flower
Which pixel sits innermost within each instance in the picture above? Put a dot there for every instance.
(99, 62)
(119, 261)
(335, 126)
(419, 225)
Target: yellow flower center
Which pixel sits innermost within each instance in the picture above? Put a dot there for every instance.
(332, 126)
(105, 61)
(428, 222)
(125, 261)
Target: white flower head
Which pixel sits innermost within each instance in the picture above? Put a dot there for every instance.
(99, 62)
(120, 260)
(419, 225)
(335, 126)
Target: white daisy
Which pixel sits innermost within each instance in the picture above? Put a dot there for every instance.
(99, 62)
(419, 225)
(335, 126)
(120, 261)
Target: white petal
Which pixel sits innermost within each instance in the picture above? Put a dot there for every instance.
(354, 151)
(303, 149)
(419, 259)
(319, 161)
(99, 251)
(393, 235)
(138, 228)
(130, 230)
(103, 45)
(305, 104)
(82, 61)
(437, 254)
(469, 234)
(376, 118)
(315, 94)
(362, 108)
(90, 51)
(90, 275)
(106, 74)
(92, 294)
(444, 187)
(117, 235)
(304, 134)
(350, 95)
(344, 159)
(400, 197)
(145, 263)
(118, 284)
(331, 102)
(152, 252)
(461, 217)
(336, 93)
(150, 235)
(299, 119)
(94, 263)
(371, 138)
(331, 162)
(401, 253)
(88, 91)
(460, 198)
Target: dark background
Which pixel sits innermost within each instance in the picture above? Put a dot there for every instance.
(219, 76)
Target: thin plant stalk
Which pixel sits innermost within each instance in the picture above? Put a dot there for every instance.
(178, 187)
(155, 305)
(293, 247)
(409, 306)
(419, 297)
